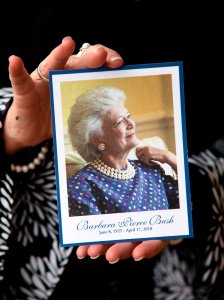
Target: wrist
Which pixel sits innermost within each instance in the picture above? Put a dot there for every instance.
(29, 158)
(172, 161)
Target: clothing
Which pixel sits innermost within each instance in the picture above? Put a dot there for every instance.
(197, 264)
(34, 266)
(91, 192)
(31, 261)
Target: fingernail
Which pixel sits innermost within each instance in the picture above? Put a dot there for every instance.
(114, 262)
(80, 257)
(113, 58)
(94, 257)
(138, 259)
(10, 57)
(66, 38)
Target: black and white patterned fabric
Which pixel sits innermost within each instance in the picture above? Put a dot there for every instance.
(195, 268)
(32, 262)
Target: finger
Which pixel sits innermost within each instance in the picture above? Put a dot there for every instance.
(120, 251)
(94, 251)
(57, 58)
(114, 59)
(149, 249)
(82, 251)
(20, 79)
(140, 152)
(141, 156)
(94, 57)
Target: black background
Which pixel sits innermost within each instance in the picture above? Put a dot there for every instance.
(142, 32)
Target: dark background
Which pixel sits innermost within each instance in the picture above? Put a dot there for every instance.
(142, 32)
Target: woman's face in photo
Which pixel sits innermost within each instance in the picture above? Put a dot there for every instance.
(119, 130)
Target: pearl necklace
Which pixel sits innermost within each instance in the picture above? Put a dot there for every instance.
(129, 173)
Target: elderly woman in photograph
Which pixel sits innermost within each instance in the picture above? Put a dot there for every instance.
(103, 133)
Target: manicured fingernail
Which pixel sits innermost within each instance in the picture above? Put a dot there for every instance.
(66, 38)
(10, 57)
(94, 257)
(138, 259)
(80, 257)
(113, 58)
(114, 262)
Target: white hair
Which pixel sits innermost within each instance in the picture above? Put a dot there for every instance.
(86, 115)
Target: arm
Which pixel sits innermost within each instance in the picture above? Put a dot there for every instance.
(27, 118)
(31, 104)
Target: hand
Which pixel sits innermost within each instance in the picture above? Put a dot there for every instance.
(28, 121)
(148, 153)
(120, 251)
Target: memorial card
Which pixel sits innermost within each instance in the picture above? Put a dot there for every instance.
(121, 154)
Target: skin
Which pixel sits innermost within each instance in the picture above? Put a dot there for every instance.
(119, 251)
(148, 153)
(118, 136)
(28, 122)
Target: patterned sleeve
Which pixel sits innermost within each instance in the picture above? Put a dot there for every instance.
(6, 184)
(31, 259)
(5, 102)
(197, 264)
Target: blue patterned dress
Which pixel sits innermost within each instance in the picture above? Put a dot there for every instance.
(91, 192)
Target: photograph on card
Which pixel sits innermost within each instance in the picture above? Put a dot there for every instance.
(121, 154)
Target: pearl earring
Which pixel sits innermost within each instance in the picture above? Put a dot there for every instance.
(101, 147)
